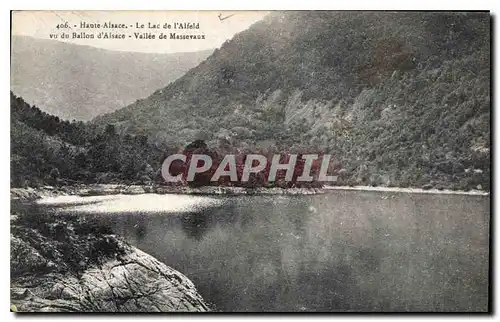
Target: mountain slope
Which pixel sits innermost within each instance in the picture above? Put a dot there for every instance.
(81, 82)
(48, 150)
(399, 98)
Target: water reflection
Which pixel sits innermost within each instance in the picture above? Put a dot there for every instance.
(344, 251)
(141, 229)
(195, 224)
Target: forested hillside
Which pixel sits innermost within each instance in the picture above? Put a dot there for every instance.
(400, 99)
(48, 150)
(81, 82)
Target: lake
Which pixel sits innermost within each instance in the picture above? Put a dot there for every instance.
(340, 251)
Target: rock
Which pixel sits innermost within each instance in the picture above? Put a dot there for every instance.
(113, 189)
(216, 190)
(133, 190)
(24, 194)
(136, 282)
(69, 266)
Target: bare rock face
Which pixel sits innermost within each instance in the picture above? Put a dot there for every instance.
(136, 282)
(63, 266)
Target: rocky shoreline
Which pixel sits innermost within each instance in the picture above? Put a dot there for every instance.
(66, 264)
(113, 189)
(134, 282)
(410, 190)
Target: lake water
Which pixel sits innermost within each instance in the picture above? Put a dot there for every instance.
(340, 251)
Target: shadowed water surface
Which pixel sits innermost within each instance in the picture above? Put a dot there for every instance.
(341, 251)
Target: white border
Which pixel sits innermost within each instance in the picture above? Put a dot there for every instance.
(196, 5)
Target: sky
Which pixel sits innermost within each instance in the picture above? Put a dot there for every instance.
(40, 24)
